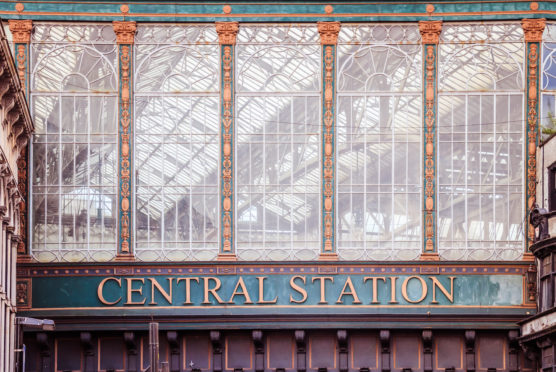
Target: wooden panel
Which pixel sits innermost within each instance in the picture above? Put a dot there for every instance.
(322, 350)
(492, 350)
(197, 349)
(239, 351)
(364, 349)
(111, 354)
(68, 354)
(280, 350)
(407, 351)
(449, 351)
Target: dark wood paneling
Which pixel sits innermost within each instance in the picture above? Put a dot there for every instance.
(322, 350)
(197, 350)
(280, 350)
(407, 351)
(68, 354)
(449, 351)
(239, 351)
(364, 349)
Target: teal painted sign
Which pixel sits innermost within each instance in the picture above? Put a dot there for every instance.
(276, 290)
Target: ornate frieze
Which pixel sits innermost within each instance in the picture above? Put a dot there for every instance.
(430, 34)
(533, 29)
(125, 32)
(329, 36)
(227, 32)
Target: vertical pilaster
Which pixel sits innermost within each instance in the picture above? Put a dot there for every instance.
(430, 34)
(227, 32)
(21, 34)
(125, 35)
(328, 38)
(532, 29)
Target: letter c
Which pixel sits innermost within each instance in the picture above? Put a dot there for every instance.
(101, 287)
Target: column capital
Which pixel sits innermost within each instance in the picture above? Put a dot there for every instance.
(533, 29)
(21, 30)
(227, 32)
(430, 31)
(328, 32)
(125, 31)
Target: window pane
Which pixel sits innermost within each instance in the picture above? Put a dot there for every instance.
(278, 142)
(379, 128)
(176, 143)
(74, 102)
(480, 142)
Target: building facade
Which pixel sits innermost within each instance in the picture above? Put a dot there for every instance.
(281, 186)
(15, 132)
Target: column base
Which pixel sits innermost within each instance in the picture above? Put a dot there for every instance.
(328, 257)
(429, 256)
(226, 257)
(127, 257)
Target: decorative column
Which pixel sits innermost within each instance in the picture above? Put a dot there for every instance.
(125, 34)
(532, 29)
(227, 32)
(328, 38)
(21, 34)
(430, 34)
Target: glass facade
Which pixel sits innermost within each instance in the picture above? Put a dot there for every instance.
(177, 141)
(74, 87)
(481, 142)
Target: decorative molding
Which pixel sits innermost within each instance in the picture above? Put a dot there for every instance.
(125, 33)
(329, 36)
(430, 31)
(329, 32)
(21, 30)
(430, 34)
(533, 29)
(23, 294)
(22, 170)
(227, 32)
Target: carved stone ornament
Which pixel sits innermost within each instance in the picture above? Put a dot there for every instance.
(430, 31)
(533, 29)
(227, 32)
(328, 32)
(125, 31)
(21, 30)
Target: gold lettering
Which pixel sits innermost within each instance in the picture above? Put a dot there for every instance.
(424, 289)
(261, 292)
(130, 291)
(393, 290)
(243, 292)
(211, 290)
(351, 292)
(375, 280)
(101, 287)
(436, 283)
(187, 288)
(298, 289)
(323, 280)
(166, 295)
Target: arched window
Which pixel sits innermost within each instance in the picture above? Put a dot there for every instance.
(378, 135)
(277, 152)
(74, 100)
(176, 142)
